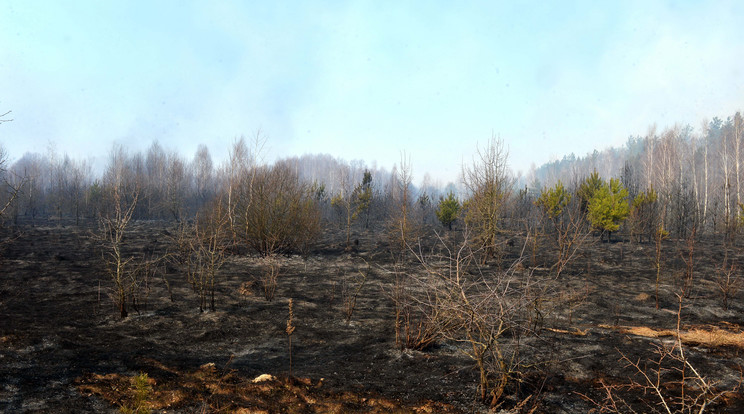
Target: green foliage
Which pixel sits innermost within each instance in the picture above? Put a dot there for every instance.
(608, 206)
(644, 199)
(661, 233)
(142, 392)
(447, 210)
(586, 191)
(362, 196)
(553, 200)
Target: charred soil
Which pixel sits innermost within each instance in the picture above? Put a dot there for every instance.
(64, 348)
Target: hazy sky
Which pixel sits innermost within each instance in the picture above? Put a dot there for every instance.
(364, 79)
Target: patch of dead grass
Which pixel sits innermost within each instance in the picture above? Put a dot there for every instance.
(642, 297)
(222, 392)
(575, 331)
(706, 336)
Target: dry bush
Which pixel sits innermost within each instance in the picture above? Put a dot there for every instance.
(688, 257)
(573, 298)
(484, 311)
(350, 290)
(275, 211)
(207, 241)
(728, 280)
(659, 236)
(417, 325)
(271, 266)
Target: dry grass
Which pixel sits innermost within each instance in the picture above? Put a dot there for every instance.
(215, 392)
(706, 336)
(575, 331)
(247, 289)
(642, 297)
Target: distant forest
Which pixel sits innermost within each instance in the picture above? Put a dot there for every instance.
(697, 176)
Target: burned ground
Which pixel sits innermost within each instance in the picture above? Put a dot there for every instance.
(64, 348)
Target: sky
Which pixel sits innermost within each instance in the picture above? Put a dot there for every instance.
(363, 80)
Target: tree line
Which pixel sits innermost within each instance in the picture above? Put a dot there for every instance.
(690, 179)
(696, 175)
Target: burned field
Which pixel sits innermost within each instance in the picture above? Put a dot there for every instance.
(590, 339)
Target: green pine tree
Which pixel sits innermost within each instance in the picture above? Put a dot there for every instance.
(554, 200)
(608, 207)
(587, 189)
(363, 197)
(447, 210)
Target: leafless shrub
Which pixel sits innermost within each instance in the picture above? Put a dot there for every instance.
(688, 257)
(659, 236)
(728, 280)
(416, 324)
(484, 311)
(201, 247)
(209, 245)
(350, 290)
(573, 298)
(271, 265)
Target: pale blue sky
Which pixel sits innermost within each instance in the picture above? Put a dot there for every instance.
(364, 79)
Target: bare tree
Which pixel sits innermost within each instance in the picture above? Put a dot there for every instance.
(659, 236)
(208, 244)
(401, 227)
(706, 138)
(176, 184)
(31, 168)
(11, 183)
(121, 200)
(650, 144)
(238, 176)
(156, 171)
(345, 203)
(738, 129)
(728, 279)
(488, 187)
(202, 168)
